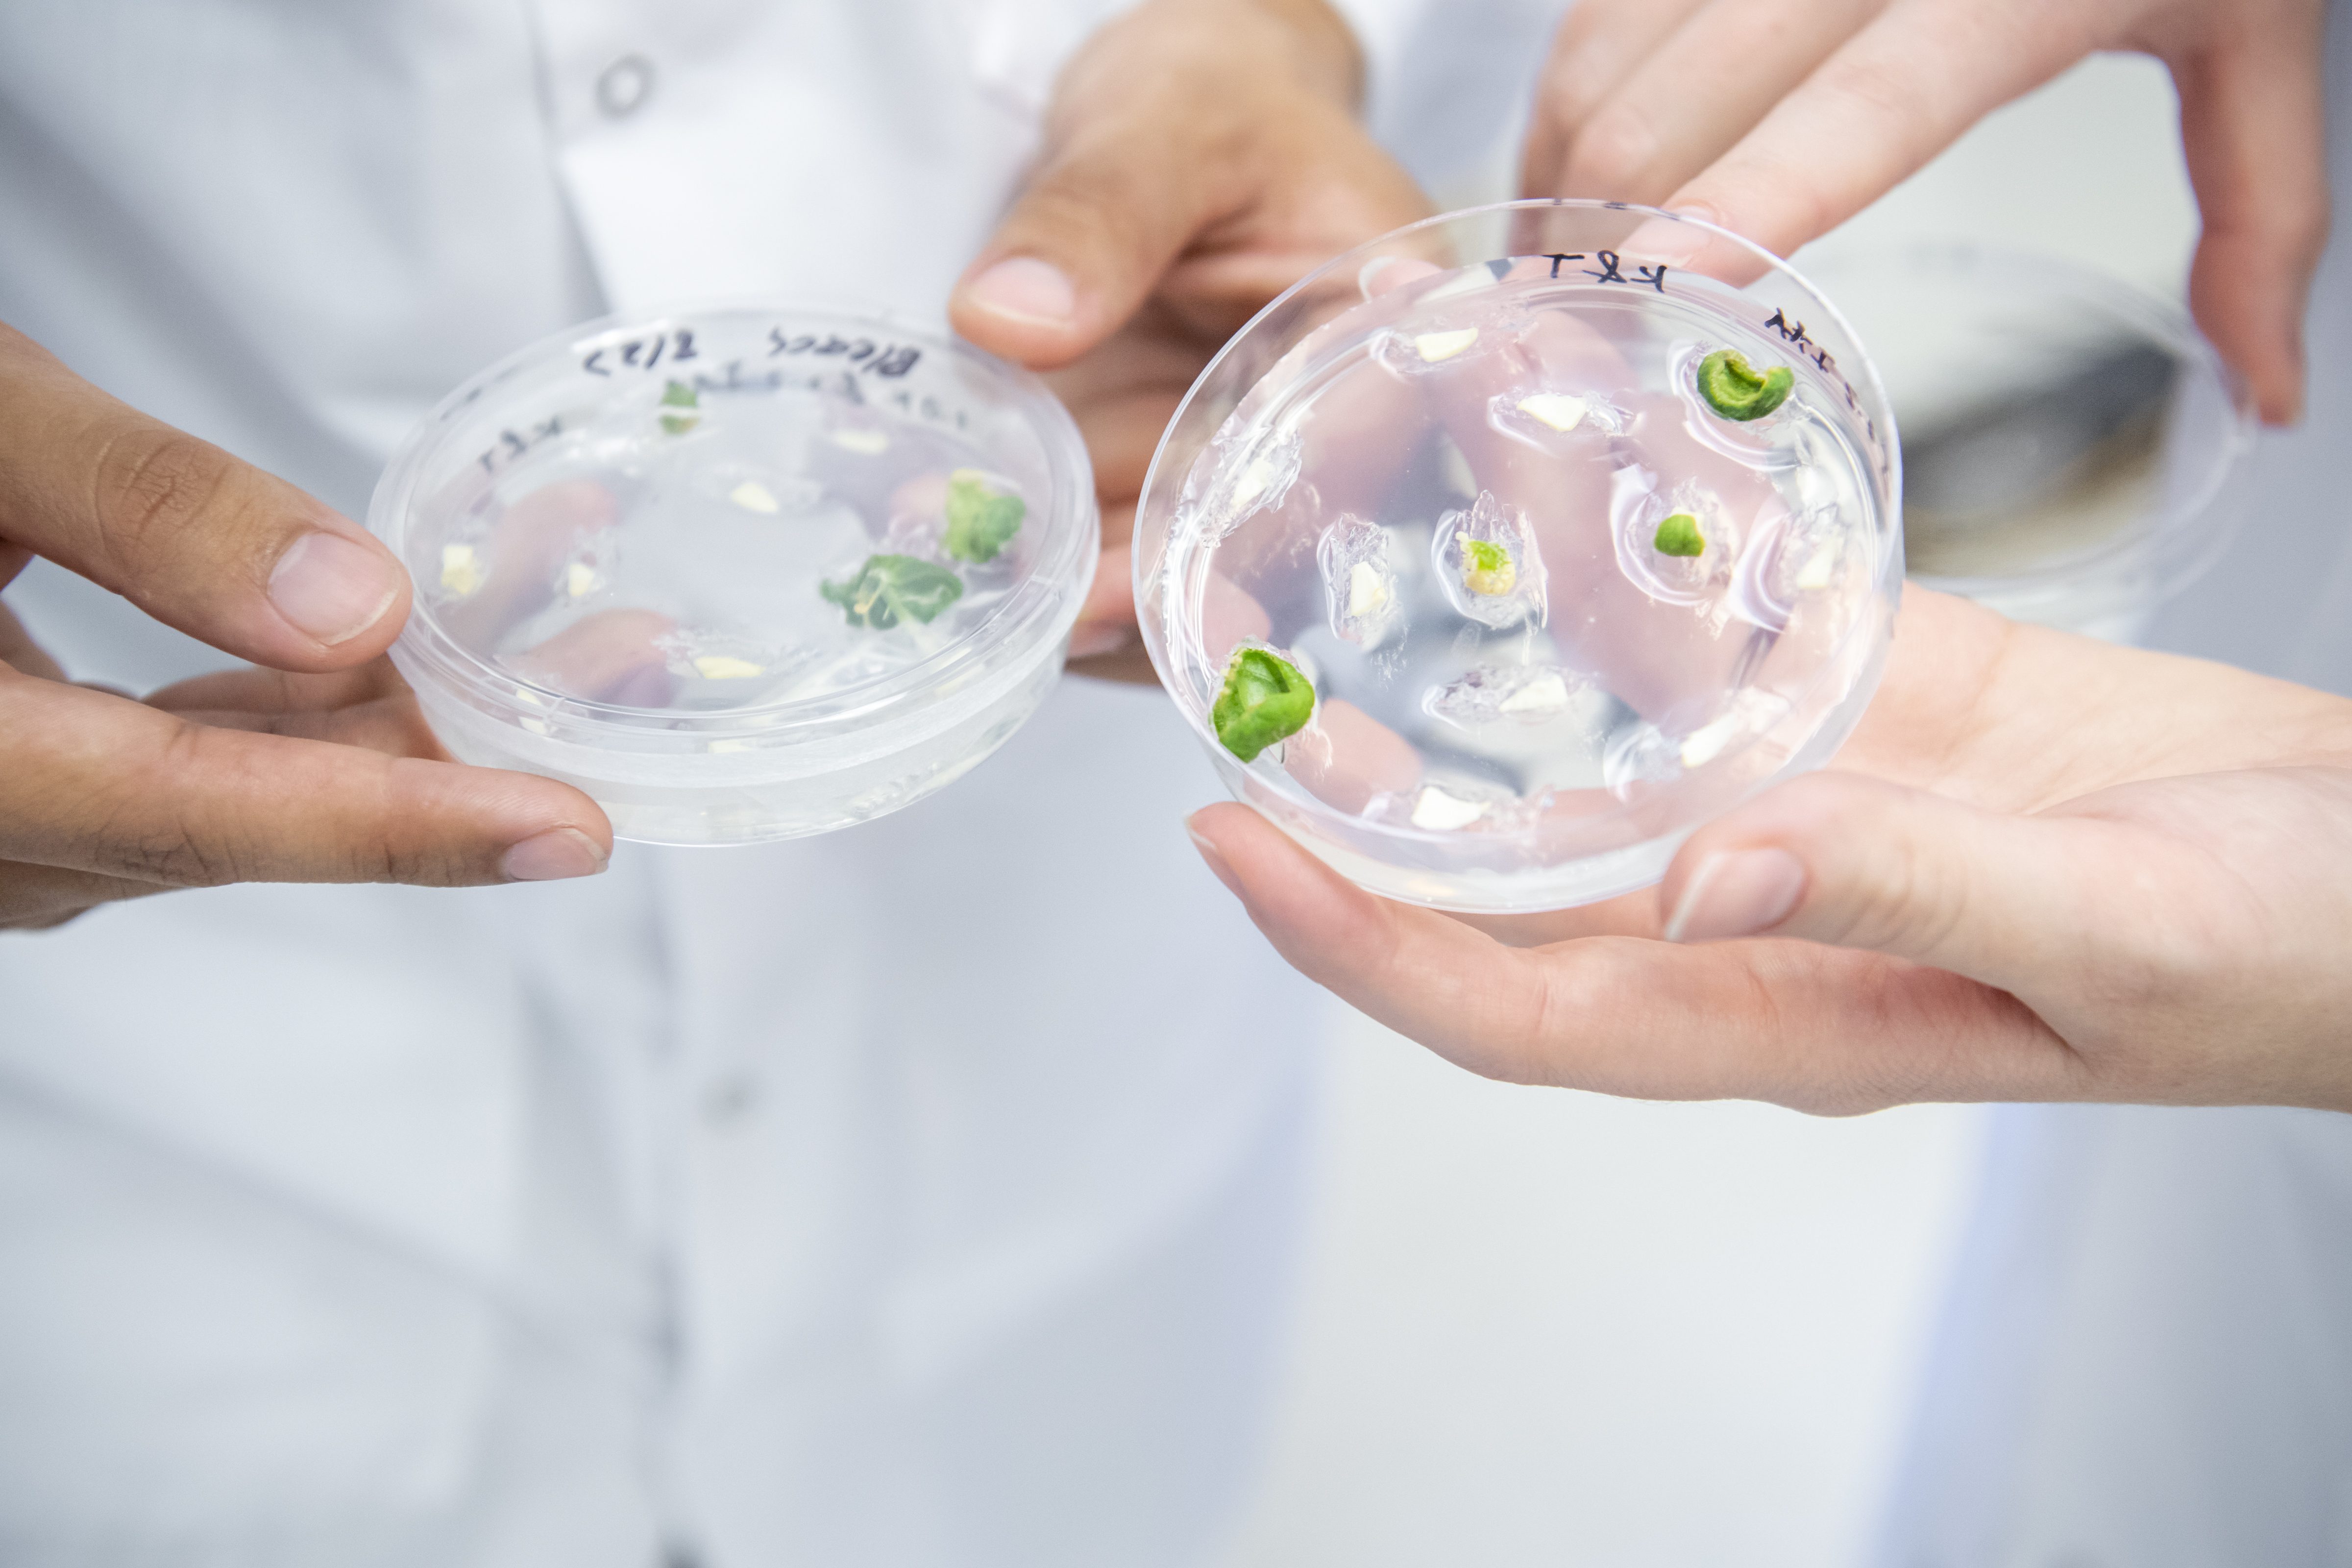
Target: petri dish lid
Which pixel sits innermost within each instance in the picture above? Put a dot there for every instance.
(2071, 443)
(765, 524)
(1471, 572)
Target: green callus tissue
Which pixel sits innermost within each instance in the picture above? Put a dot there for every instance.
(1487, 569)
(1738, 390)
(1679, 535)
(979, 521)
(1264, 700)
(680, 405)
(892, 588)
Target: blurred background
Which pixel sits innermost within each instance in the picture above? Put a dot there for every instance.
(1543, 1327)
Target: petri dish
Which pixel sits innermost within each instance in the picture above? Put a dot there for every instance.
(2071, 447)
(741, 572)
(1482, 570)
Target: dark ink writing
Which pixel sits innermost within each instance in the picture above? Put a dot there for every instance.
(642, 354)
(512, 444)
(891, 359)
(1656, 277)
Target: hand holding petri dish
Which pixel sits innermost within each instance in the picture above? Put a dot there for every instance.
(1502, 552)
(739, 573)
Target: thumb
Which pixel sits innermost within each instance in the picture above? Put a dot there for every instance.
(191, 535)
(1854, 862)
(1087, 240)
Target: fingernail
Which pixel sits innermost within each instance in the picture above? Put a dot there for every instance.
(1676, 243)
(1738, 893)
(1025, 289)
(1225, 873)
(552, 855)
(1090, 639)
(332, 587)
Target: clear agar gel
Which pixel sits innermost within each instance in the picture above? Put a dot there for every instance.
(743, 572)
(1567, 577)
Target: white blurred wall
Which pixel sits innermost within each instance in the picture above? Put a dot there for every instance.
(1544, 1328)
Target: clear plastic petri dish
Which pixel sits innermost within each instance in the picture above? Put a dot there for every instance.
(740, 573)
(1500, 554)
(2071, 447)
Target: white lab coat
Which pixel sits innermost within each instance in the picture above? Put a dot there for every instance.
(919, 1194)
(2145, 1360)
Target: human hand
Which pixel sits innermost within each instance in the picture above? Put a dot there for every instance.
(317, 769)
(1779, 121)
(2042, 868)
(1201, 155)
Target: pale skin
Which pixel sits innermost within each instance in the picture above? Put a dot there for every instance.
(1160, 216)
(1781, 119)
(2043, 867)
(316, 768)
(1202, 157)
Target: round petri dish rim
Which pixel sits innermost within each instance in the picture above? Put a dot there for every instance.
(1149, 566)
(2167, 549)
(1071, 547)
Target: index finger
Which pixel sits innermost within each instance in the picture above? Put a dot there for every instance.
(20, 651)
(190, 535)
(1877, 111)
(95, 783)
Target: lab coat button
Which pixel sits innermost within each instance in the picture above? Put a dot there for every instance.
(622, 87)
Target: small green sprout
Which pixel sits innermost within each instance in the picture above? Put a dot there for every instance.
(979, 521)
(1264, 700)
(892, 588)
(1736, 390)
(1679, 535)
(1486, 568)
(677, 394)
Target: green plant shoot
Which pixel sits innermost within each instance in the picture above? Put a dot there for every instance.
(1264, 700)
(1486, 568)
(892, 588)
(979, 521)
(1736, 390)
(1679, 535)
(679, 395)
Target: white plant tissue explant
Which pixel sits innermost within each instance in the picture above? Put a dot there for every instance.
(1556, 422)
(1442, 347)
(1489, 522)
(461, 570)
(1821, 536)
(1436, 811)
(1647, 754)
(1557, 411)
(1820, 569)
(753, 495)
(1524, 694)
(865, 443)
(1434, 347)
(1358, 582)
(1238, 486)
